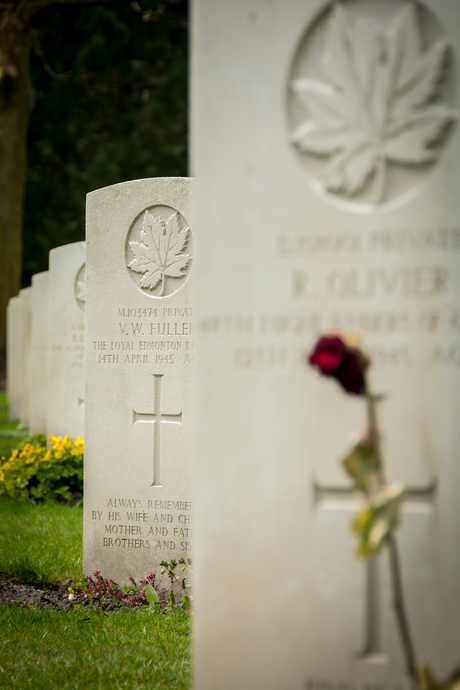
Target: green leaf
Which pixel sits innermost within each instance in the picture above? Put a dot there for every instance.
(376, 522)
(361, 463)
(186, 600)
(151, 595)
(428, 680)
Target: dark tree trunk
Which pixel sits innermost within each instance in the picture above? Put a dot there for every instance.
(14, 117)
(15, 92)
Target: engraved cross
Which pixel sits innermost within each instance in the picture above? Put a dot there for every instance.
(157, 418)
(421, 498)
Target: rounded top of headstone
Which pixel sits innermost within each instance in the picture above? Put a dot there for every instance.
(64, 249)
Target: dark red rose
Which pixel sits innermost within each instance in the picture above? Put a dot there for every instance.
(333, 357)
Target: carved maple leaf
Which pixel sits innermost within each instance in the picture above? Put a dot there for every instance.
(159, 254)
(81, 291)
(377, 103)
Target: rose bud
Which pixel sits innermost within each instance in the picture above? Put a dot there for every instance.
(333, 357)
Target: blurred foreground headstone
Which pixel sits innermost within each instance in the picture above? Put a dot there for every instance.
(328, 198)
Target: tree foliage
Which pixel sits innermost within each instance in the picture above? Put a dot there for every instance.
(106, 96)
(109, 105)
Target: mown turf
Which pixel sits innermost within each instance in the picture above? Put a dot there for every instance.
(80, 650)
(41, 543)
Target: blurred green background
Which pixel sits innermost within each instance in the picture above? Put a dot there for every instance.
(109, 104)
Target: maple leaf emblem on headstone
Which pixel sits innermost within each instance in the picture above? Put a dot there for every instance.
(377, 105)
(80, 293)
(160, 253)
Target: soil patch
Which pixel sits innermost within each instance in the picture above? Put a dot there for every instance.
(13, 591)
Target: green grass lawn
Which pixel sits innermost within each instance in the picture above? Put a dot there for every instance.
(41, 544)
(75, 649)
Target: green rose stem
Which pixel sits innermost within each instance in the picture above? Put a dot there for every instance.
(395, 567)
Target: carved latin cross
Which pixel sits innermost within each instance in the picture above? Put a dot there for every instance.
(421, 496)
(157, 419)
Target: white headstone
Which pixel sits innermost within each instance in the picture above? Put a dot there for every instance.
(39, 354)
(66, 340)
(13, 361)
(139, 366)
(328, 197)
(24, 347)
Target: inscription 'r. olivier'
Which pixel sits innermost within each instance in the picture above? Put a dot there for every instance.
(412, 282)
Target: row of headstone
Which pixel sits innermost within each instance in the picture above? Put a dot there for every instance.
(45, 347)
(135, 294)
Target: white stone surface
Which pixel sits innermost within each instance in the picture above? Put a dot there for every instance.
(290, 246)
(139, 367)
(39, 354)
(13, 362)
(24, 346)
(66, 341)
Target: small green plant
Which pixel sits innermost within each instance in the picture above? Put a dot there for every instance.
(152, 597)
(33, 472)
(100, 589)
(147, 595)
(169, 567)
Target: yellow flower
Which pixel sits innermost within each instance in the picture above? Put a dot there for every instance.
(58, 455)
(67, 443)
(79, 442)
